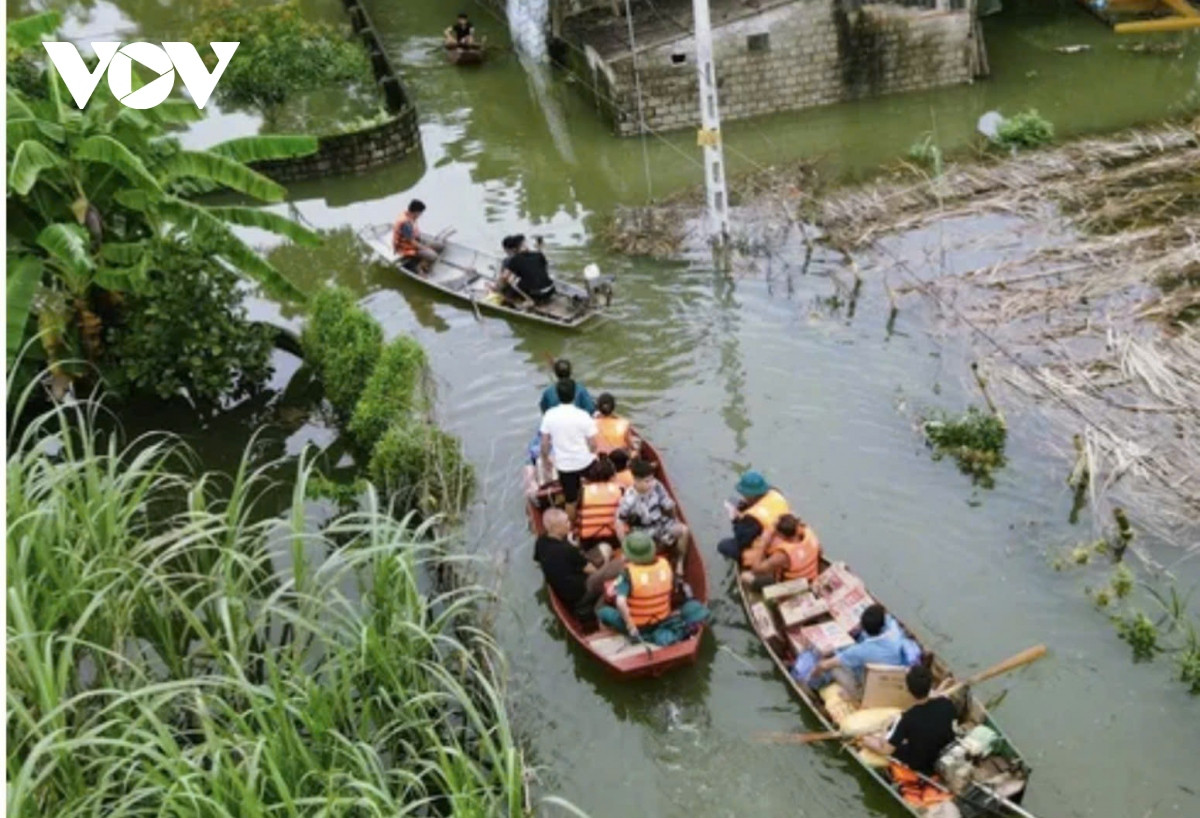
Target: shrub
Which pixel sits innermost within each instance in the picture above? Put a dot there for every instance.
(281, 53)
(186, 331)
(928, 153)
(1027, 129)
(422, 468)
(342, 343)
(392, 392)
(1141, 633)
(975, 440)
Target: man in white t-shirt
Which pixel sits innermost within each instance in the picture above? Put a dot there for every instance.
(572, 434)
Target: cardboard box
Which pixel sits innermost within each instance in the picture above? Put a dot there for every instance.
(801, 608)
(764, 623)
(884, 687)
(835, 578)
(846, 606)
(796, 640)
(783, 590)
(826, 637)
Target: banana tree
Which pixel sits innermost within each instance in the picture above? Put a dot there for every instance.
(93, 193)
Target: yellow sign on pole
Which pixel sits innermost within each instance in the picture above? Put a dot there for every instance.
(708, 137)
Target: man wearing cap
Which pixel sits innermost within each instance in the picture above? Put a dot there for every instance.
(525, 273)
(643, 590)
(753, 518)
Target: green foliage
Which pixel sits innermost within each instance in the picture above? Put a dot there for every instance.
(281, 54)
(1141, 633)
(1189, 669)
(1121, 581)
(392, 393)
(974, 439)
(166, 664)
(342, 343)
(422, 468)
(927, 152)
(344, 494)
(1027, 129)
(187, 331)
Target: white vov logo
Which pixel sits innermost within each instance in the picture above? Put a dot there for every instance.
(165, 61)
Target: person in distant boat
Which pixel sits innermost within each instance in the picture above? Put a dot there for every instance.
(415, 253)
(753, 518)
(648, 507)
(923, 731)
(643, 591)
(879, 645)
(525, 273)
(570, 433)
(577, 577)
(562, 372)
(461, 34)
(620, 462)
(598, 504)
(792, 552)
(615, 431)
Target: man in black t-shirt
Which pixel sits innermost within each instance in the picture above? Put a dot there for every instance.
(924, 729)
(461, 34)
(525, 274)
(577, 578)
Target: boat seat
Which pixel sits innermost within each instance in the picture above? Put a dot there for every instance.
(615, 646)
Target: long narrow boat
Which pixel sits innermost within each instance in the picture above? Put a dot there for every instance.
(624, 658)
(469, 276)
(973, 801)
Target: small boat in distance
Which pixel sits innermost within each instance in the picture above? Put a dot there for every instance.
(470, 276)
(623, 657)
(467, 54)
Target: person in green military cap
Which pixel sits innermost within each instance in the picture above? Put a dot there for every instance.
(753, 518)
(643, 590)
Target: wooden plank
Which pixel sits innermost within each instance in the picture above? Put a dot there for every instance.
(1154, 26)
(1182, 7)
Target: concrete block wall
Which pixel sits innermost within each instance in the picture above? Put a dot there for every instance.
(816, 52)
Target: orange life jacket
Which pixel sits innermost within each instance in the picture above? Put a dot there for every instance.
(914, 789)
(803, 555)
(598, 510)
(624, 479)
(613, 433)
(650, 592)
(402, 245)
(767, 509)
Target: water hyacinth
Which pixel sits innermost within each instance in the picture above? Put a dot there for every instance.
(173, 651)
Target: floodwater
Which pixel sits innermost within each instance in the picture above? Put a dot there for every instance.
(756, 370)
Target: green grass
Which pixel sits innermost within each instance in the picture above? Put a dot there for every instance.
(171, 651)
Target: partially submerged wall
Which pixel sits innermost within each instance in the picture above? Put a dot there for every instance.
(795, 55)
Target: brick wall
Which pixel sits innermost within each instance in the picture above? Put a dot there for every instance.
(365, 149)
(814, 52)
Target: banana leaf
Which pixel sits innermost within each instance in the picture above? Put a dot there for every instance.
(210, 167)
(108, 151)
(265, 220)
(24, 275)
(22, 128)
(264, 148)
(30, 31)
(67, 244)
(29, 160)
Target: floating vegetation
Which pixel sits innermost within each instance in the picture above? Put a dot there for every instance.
(975, 439)
(1028, 129)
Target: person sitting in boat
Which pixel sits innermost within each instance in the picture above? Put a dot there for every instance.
(753, 518)
(415, 254)
(525, 273)
(461, 34)
(648, 507)
(570, 434)
(643, 591)
(620, 463)
(792, 552)
(878, 645)
(924, 730)
(562, 372)
(577, 577)
(615, 431)
(598, 504)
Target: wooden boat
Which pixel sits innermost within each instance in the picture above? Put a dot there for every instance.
(469, 276)
(466, 55)
(624, 658)
(973, 801)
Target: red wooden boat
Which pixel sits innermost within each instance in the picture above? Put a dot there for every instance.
(624, 658)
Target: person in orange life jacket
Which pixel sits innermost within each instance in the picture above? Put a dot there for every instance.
(577, 577)
(753, 517)
(414, 253)
(615, 431)
(647, 506)
(879, 645)
(792, 552)
(643, 590)
(571, 434)
(598, 503)
(620, 463)
(525, 274)
(924, 729)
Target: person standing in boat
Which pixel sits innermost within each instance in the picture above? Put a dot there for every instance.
(415, 254)
(525, 273)
(570, 433)
(577, 577)
(753, 518)
(792, 552)
(562, 372)
(461, 34)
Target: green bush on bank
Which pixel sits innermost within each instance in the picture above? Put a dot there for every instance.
(1027, 129)
(393, 391)
(343, 344)
(422, 468)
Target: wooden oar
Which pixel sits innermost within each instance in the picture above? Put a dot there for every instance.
(1025, 657)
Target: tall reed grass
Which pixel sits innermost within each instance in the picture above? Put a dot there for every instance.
(171, 651)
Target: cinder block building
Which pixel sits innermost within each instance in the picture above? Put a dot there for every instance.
(771, 55)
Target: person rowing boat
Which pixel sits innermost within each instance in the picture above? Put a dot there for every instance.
(525, 273)
(461, 34)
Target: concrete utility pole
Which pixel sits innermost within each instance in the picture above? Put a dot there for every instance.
(710, 128)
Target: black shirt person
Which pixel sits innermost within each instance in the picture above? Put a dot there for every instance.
(525, 273)
(924, 729)
(576, 578)
(462, 33)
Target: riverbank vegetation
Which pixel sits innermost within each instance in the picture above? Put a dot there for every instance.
(171, 650)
